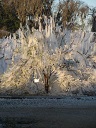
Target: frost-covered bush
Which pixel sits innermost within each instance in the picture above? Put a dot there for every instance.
(61, 64)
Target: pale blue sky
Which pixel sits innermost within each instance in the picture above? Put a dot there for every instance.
(89, 2)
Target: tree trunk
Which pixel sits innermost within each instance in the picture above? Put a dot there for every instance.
(46, 78)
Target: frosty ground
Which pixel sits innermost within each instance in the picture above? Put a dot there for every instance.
(49, 112)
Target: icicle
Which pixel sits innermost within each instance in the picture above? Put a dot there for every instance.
(40, 27)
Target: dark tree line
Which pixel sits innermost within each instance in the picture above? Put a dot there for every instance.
(8, 18)
(12, 12)
(93, 13)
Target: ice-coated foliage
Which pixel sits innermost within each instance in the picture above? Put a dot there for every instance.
(68, 58)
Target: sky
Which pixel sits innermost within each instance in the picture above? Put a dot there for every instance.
(89, 2)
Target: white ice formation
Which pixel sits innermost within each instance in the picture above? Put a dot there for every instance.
(70, 55)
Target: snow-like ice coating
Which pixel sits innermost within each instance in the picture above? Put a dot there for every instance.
(71, 55)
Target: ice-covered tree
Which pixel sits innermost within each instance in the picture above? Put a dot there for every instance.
(36, 57)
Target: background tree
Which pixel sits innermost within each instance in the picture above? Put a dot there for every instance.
(33, 8)
(93, 22)
(8, 17)
(70, 11)
(12, 12)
